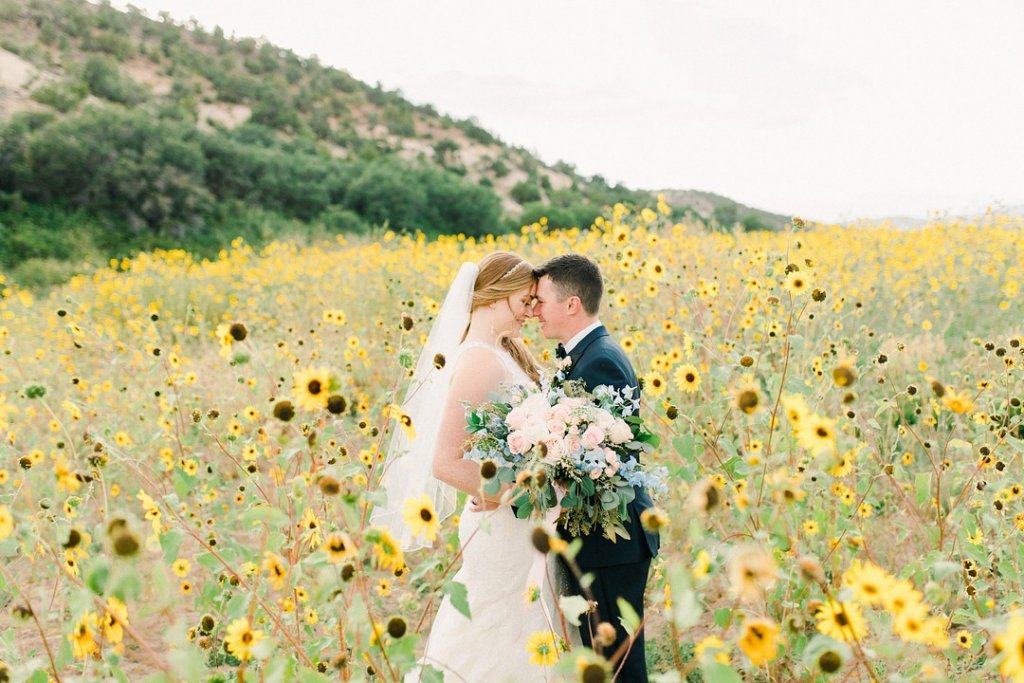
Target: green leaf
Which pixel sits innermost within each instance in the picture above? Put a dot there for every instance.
(459, 597)
(170, 542)
(572, 607)
(39, 676)
(716, 672)
(944, 569)
(684, 446)
(264, 513)
(429, 674)
(922, 486)
(97, 575)
(587, 484)
(187, 663)
(723, 615)
(628, 617)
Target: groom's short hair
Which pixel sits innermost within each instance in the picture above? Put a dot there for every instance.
(575, 275)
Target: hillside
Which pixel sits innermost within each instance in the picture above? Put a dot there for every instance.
(159, 132)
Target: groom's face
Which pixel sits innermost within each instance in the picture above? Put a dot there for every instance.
(551, 311)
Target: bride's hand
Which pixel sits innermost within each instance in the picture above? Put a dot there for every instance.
(484, 505)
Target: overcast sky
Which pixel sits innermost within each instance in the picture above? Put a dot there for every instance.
(820, 108)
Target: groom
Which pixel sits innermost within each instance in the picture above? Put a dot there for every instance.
(568, 299)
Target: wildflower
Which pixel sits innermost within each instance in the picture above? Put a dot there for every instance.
(758, 640)
(957, 402)
(336, 404)
(841, 620)
(339, 547)
(388, 552)
(241, 639)
(276, 571)
(83, 637)
(844, 375)
(115, 618)
(817, 434)
(542, 648)
(747, 399)
(181, 567)
(965, 640)
(795, 408)
(6, 522)
(311, 388)
(687, 378)
(751, 571)
(653, 519)
(654, 383)
(796, 283)
(284, 411)
(421, 517)
(396, 627)
(714, 646)
(867, 581)
(901, 596)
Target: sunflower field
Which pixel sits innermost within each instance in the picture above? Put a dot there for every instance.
(189, 455)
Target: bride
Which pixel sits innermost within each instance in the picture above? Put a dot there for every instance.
(475, 341)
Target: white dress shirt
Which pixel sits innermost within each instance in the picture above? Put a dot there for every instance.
(581, 334)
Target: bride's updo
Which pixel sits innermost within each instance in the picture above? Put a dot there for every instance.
(502, 274)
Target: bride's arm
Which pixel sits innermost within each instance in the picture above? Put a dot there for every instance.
(476, 376)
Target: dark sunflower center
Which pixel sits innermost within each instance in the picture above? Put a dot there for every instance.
(314, 386)
(246, 637)
(822, 432)
(842, 620)
(426, 515)
(690, 377)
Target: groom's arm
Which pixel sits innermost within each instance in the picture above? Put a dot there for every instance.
(605, 370)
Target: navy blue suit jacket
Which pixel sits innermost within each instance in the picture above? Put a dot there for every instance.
(598, 360)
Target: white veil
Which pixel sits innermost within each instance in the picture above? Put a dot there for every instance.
(407, 468)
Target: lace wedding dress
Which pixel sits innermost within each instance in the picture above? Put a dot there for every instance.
(497, 559)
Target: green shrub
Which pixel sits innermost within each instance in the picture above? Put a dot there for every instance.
(61, 95)
(525, 192)
(500, 168)
(105, 80)
(399, 121)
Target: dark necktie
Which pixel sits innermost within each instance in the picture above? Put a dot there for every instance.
(560, 351)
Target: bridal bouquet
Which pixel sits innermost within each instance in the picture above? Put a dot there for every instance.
(562, 446)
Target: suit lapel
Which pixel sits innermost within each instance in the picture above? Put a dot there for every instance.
(581, 348)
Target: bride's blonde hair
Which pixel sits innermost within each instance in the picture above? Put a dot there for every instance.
(502, 274)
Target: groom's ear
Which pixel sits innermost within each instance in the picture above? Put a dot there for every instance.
(573, 304)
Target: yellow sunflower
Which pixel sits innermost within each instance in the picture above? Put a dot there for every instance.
(841, 620)
(543, 648)
(311, 388)
(759, 639)
(241, 639)
(687, 378)
(421, 517)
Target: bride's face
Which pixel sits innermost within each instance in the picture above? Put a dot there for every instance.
(520, 307)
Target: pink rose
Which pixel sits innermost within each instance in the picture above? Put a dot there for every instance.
(556, 427)
(592, 437)
(605, 419)
(573, 443)
(518, 443)
(620, 432)
(555, 451)
(516, 417)
(611, 470)
(595, 473)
